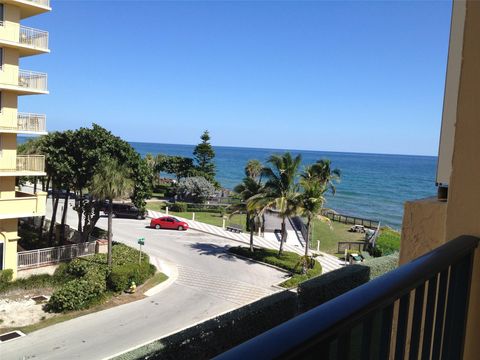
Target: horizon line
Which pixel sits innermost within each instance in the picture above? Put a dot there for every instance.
(304, 150)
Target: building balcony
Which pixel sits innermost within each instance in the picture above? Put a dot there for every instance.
(27, 123)
(23, 165)
(417, 310)
(28, 41)
(30, 7)
(27, 83)
(23, 205)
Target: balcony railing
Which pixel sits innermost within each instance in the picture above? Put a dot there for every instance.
(33, 37)
(24, 204)
(31, 163)
(32, 80)
(375, 319)
(31, 122)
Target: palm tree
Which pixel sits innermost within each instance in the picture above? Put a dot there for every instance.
(248, 189)
(311, 204)
(322, 169)
(253, 168)
(281, 189)
(111, 181)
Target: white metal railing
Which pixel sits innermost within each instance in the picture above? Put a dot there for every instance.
(33, 37)
(32, 80)
(30, 163)
(53, 255)
(31, 122)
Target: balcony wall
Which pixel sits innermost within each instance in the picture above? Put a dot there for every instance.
(23, 205)
(461, 213)
(22, 165)
(30, 7)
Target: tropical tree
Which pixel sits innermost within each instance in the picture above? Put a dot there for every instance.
(196, 189)
(111, 181)
(249, 188)
(327, 176)
(311, 205)
(204, 155)
(253, 168)
(281, 189)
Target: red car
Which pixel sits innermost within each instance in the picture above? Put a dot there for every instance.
(168, 222)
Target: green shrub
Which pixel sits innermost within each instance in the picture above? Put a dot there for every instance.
(85, 279)
(6, 277)
(178, 207)
(381, 265)
(289, 261)
(121, 277)
(215, 336)
(321, 289)
(77, 294)
(387, 242)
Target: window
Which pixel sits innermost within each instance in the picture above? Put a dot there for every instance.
(1, 102)
(1, 58)
(1, 14)
(1, 256)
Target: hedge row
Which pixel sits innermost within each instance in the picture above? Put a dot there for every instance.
(321, 289)
(381, 265)
(217, 335)
(5, 278)
(90, 278)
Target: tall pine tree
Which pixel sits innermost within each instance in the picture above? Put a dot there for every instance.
(204, 155)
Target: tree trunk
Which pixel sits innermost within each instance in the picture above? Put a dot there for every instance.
(54, 216)
(42, 219)
(64, 216)
(283, 237)
(252, 230)
(307, 241)
(247, 219)
(79, 210)
(110, 213)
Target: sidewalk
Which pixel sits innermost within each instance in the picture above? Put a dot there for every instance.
(270, 241)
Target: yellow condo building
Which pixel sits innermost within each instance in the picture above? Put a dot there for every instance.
(18, 41)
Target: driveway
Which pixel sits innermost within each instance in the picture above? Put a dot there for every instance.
(210, 282)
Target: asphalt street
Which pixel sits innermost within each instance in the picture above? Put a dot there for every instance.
(210, 282)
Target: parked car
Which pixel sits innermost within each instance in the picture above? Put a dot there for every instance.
(62, 194)
(357, 228)
(124, 211)
(168, 222)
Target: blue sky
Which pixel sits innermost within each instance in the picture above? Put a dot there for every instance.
(338, 76)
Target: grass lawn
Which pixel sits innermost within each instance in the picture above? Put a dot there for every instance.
(329, 237)
(289, 261)
(205, 217)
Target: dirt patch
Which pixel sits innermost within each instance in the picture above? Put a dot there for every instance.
(21, 312)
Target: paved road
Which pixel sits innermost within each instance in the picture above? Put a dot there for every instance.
(210, 282)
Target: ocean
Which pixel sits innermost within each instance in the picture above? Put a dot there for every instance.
(372, 186)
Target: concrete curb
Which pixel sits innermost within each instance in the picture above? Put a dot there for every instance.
(168, 269)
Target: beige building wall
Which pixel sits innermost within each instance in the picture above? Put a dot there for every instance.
(429, 223)
(9, 237)
(8, 112)
(15, 204)
(9, 70)
(10, 30)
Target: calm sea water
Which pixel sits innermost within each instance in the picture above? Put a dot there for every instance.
(373, 186)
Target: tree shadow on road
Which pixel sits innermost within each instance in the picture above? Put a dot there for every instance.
(215, 250)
